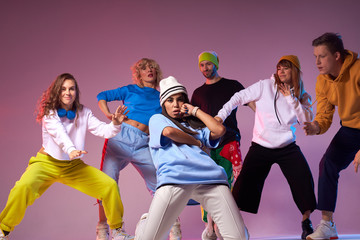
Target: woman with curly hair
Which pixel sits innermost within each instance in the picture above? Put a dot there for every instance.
(64, 124)
(131, 144)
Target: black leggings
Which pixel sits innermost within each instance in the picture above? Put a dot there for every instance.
(257, 164)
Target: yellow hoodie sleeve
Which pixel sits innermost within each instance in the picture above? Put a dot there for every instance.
(342, 92)
(325, 110)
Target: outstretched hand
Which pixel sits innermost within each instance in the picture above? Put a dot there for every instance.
(120, 115)
(76, 154)
(357, 161)
(311, 128)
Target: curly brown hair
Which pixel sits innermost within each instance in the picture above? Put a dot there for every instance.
(50, 99)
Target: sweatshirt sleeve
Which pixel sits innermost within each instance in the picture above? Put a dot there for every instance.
(206, 139)
(157, 124)
(57, 131)
(242, 97)
(101, 129)
(117, 94)
(324, 110)
(303, 109)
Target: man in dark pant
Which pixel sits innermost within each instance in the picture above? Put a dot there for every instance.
(210, 97)
(337, 85)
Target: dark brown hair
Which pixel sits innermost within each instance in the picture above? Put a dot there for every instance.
(333, 42)
(50, 99)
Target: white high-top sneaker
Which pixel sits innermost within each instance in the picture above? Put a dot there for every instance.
(120, 234)
(209, 231)
(140, 225)
(325, 230)
(102, 231)
(175, 231)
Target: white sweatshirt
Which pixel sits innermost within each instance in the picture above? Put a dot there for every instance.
(268, 132)
(61, 135)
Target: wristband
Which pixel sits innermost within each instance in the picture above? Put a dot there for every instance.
(193, 112)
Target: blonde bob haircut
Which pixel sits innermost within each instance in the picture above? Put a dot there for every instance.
(141, 64)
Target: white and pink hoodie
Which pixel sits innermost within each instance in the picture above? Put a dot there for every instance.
(271, 131)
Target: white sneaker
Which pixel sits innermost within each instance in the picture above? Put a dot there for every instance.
(217, 232)
(102, 231)
(140, 225)
(120, 234)
(208, 233)
(175, 232)
(325, 230)
(2, 236)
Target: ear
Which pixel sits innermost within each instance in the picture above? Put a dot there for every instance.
(337, 56)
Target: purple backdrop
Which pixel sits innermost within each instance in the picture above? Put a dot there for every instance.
(98, 41)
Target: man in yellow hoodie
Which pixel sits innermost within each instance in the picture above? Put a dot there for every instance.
(338, 84)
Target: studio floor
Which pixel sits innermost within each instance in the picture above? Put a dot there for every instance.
(341, 237)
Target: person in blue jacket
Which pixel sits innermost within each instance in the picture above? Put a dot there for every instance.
(131, 144)
(184, 170)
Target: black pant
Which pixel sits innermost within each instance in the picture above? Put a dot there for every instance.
(340, 153)
(257, 164)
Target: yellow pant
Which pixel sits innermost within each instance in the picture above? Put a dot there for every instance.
(43, 171)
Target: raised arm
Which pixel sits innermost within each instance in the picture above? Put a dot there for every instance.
(217, 130)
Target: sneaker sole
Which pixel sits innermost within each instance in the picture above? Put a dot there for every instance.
(332, 238)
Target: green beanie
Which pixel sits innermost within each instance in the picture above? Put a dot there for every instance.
(210, 56)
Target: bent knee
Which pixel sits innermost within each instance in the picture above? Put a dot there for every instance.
(111, 184)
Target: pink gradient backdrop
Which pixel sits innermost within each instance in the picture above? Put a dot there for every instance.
(98, 41)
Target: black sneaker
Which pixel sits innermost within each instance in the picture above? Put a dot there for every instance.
(307, 228)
